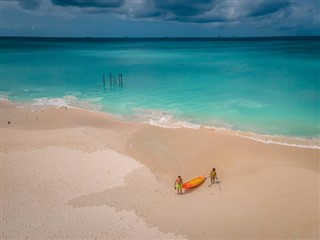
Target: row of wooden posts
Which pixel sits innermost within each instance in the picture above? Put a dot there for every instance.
(113, 81)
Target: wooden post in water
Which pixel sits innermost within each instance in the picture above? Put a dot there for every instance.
(104, 83)
(119, 79)
(114, 80)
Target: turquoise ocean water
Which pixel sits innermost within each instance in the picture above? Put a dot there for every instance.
(263, 86)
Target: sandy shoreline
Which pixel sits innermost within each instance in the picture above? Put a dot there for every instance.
(90, 176)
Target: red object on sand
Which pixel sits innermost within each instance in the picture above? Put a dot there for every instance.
(194, 182)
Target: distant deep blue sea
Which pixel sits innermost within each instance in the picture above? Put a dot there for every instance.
(266, 86)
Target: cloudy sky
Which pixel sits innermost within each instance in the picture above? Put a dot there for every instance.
(159, 18)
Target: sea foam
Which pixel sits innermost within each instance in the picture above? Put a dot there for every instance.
(67, 101)
(164, 119)
(167, 119)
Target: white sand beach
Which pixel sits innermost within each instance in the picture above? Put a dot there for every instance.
(74, 174)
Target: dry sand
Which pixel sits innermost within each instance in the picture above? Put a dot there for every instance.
(69, 173)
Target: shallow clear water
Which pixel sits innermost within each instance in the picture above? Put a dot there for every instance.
(266, 86)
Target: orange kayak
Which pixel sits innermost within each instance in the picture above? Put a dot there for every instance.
(194, 182)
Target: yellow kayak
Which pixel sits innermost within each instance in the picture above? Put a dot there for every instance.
(194, 182)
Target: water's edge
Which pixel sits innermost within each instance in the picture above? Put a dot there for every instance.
(165, 121)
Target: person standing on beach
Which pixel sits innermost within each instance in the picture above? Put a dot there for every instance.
(178, 185)
(213, 175)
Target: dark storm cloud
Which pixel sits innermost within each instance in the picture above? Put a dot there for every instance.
(183, 8)
(197, 11)
(102, 4)
(203, 11)
(191, 11)
(267, 7)
(89, 3)
(160, 17)
(26, 4)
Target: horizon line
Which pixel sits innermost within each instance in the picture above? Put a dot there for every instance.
(164, 37)
(123, 39)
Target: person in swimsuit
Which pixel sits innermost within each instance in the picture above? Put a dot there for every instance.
(178, 185)
(213, 175)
